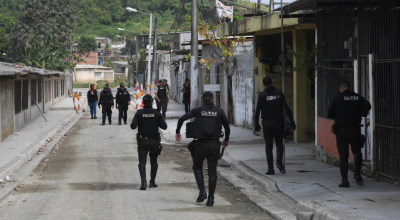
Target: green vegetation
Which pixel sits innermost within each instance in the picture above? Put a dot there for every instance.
(108, 62)
(100, 83)
(3, 43)
(87, 43)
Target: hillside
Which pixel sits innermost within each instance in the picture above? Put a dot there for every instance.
(103, 17)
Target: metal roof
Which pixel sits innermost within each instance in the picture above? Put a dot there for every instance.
(91, 67)
(313, 5)
(11, 69)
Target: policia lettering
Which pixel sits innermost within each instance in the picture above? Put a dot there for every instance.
(106, 100)
(207, 130)
(271, 104)
(123, 100)
(347, 108)
(148, 120)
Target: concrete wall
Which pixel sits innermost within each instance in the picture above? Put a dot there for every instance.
(6, 107)
(88, 75)
(242, 99)
(164, 63)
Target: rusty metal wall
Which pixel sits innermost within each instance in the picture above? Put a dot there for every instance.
(6, 107)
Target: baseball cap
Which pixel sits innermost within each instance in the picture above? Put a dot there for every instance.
(147, 98)
(187, 80)
(267, 80)
(105, 87)
(121, 85)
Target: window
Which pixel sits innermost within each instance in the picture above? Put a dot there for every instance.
(33, 92)
(108, 75)
(17, 96)
(39, 90)
(25, 94)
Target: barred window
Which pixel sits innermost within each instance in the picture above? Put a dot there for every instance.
(33, 92)
(25, 94)
(17, 96)
(40, 90)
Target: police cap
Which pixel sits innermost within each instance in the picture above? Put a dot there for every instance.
(165, 80)
(160, 81)
(121, 85)
(267, 80)
(105, 87)
(187, 80)
(147, 99)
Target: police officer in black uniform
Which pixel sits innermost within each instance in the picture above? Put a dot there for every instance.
(272, 103)
(167, 85)
(106, 99)
(207, 129)
(123, 100)
(347, 108)
(162, 98)
(186, 95)
(148, 120)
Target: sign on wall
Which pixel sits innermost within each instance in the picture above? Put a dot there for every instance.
(225, 13)
(212, 87)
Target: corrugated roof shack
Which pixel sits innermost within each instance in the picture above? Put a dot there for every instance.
(25, 91)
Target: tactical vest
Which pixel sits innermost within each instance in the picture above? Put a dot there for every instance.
(107, 98)
(161, 92)
(348, 109)
(187, 89)
(207, 124)
(123, 96)
(271, 105)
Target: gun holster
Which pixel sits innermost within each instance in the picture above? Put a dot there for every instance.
(139, 137)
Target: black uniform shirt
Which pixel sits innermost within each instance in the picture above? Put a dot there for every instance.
(271, 103)
(122, 96)
(148, 120)
(345, 108)
(192, 114)
(106, 99)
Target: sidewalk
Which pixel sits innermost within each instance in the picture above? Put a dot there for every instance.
(308, 185)
(21, 146)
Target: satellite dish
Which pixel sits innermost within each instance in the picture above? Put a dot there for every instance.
(149, 47)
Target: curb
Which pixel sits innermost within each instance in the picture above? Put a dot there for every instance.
(23, 172)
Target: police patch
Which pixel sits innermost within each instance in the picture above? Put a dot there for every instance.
(350, 98)
(209, 114)
(272, 97)
(148, 116)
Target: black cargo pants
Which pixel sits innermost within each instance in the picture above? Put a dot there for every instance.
(162, 105)
(123, 111)
(148, 147)
(106, 112)
(207, 149)
(271, 129)
(346, 136)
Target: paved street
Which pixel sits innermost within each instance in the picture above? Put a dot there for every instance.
(93, 174)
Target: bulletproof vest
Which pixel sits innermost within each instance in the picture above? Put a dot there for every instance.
(271, 104)
(107, 98)
(161, 92)
(348, 109)
(207, 124)
(187, 89)
(148, 122)
(123, 96)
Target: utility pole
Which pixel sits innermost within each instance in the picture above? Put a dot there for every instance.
(282, 52)
(137, 57)
(153, 78)
(129, 64)
(148, 86)
(194, 97)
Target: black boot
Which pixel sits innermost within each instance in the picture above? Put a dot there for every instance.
(198, 175)
(119, 122)
(142, 171)
(212, 184)
(344, 166)
(270, 161)
(109, 120)
(279, 156)
(357, 170)
(103, 123)
(153, 175)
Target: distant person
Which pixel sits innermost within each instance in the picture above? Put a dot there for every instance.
(166, 84)
(271, 104)
(107, 101)
(122, 100)
(160, 83)
(162, 96)
(185, 89)
(148, 121)
(92, 101)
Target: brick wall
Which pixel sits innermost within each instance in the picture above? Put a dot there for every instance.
(89, 58)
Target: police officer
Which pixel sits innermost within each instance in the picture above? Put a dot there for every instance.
(347, 108)
(107, 101)
(272, 103)
(160, 83)
(148, 120)
(207, 129)
(166, 85)
(185, 89)
(162, 98)
(123, 100)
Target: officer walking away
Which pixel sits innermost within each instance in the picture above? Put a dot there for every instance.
(166, 85)
(123, 100)
(148, 120)
(185, 89)
(106, 100)
(347, 108)
(160, 83)
(162, 98)
(207, 129)
(272, 104)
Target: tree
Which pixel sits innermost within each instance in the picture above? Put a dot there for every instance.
(7, 23)
(3, 44)
(87, 43)
(109, 63)
(163, 46)
(39, 19)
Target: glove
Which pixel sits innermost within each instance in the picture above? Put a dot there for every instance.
(257, 128)
(293, 125)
